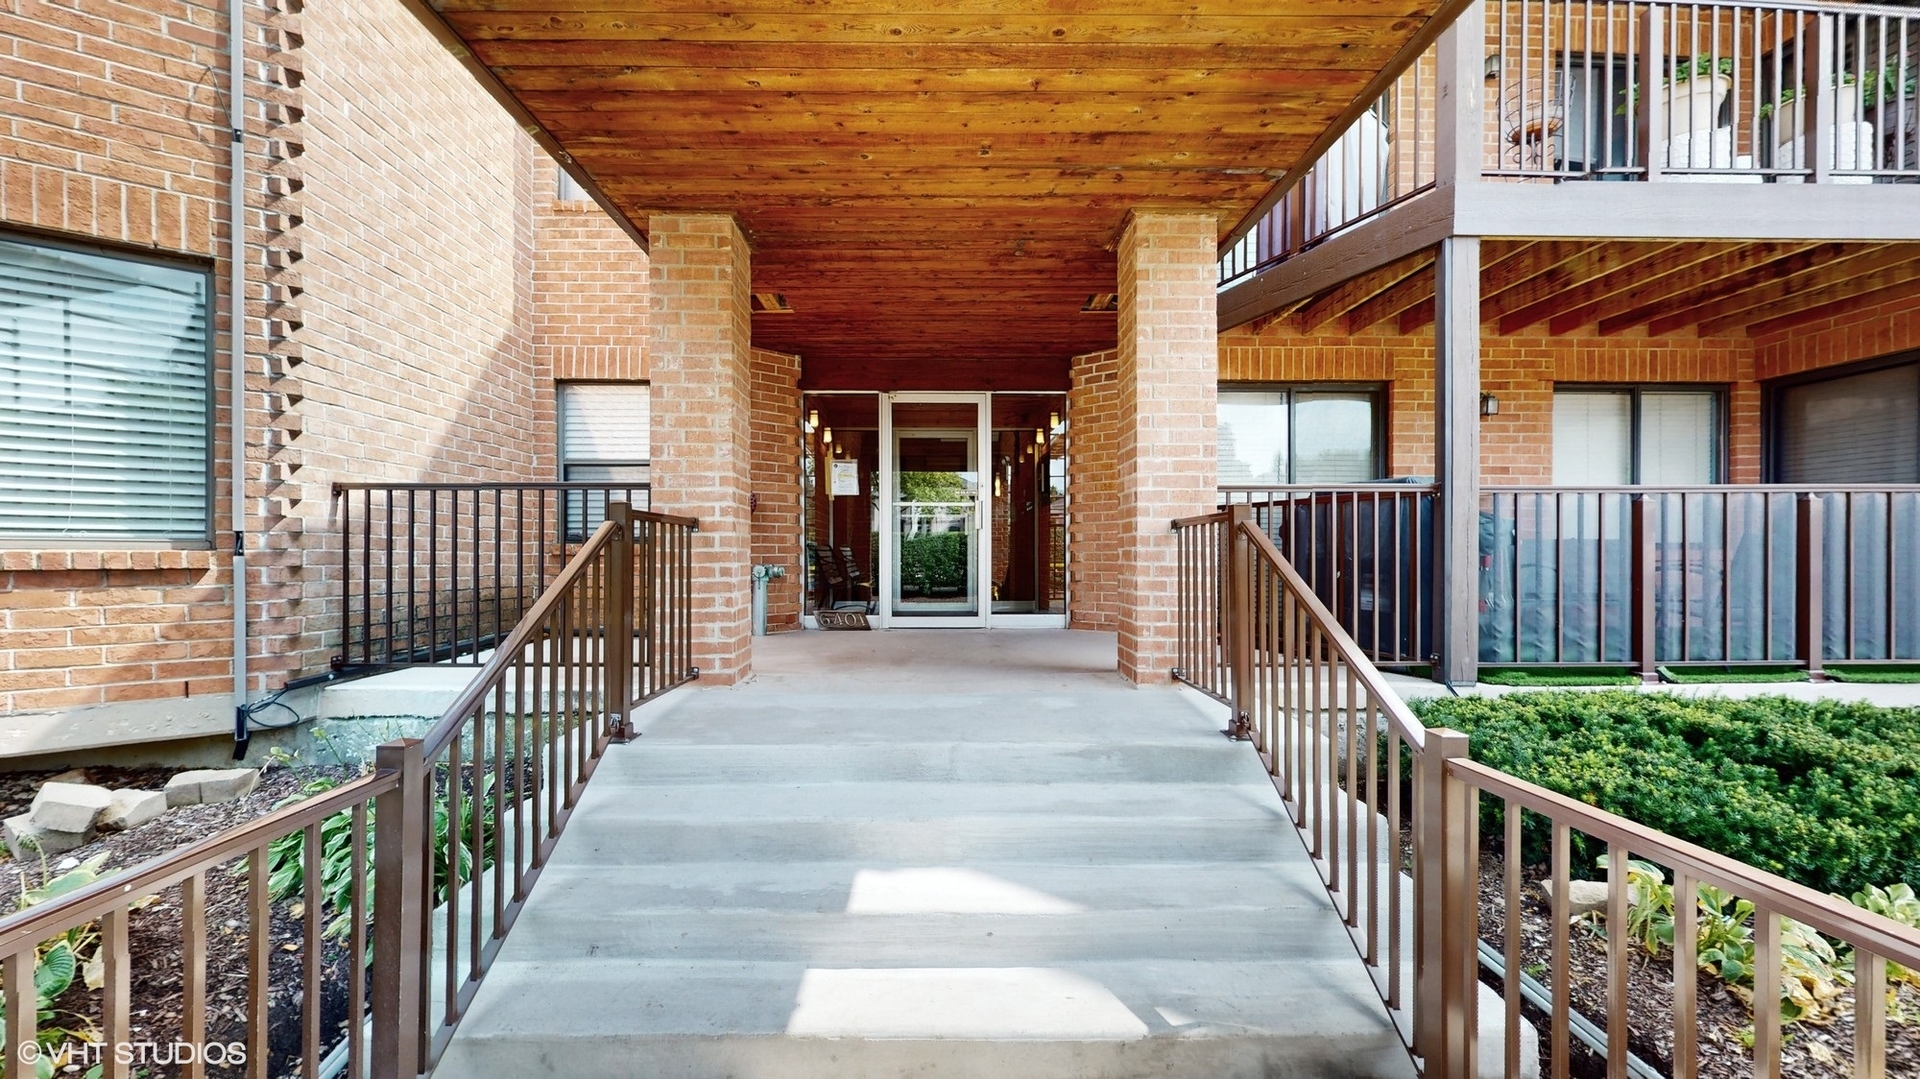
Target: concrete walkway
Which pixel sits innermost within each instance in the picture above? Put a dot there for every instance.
(928, 853)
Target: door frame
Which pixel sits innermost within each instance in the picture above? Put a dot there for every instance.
(889, 508)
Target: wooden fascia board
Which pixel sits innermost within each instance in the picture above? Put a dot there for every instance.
(1411, 227)
(450, 39)
(1673, 211)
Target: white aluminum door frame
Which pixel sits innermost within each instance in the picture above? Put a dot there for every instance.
(889, 534)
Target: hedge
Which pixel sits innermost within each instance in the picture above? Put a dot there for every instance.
(1826, 793)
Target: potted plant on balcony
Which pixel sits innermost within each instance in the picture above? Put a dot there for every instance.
(1789, 115)
(1694, 94)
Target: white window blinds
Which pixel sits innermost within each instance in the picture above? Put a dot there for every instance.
(104, 420)
(1592, 439)
(603, 427)
(1859, 429)
(1677, 437)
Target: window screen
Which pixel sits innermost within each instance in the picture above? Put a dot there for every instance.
(1858, 429)
(104, 422)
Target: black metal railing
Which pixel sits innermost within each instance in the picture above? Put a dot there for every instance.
(440, 572)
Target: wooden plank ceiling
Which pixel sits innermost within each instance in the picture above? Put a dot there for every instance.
(1614, 287)
(941, 178)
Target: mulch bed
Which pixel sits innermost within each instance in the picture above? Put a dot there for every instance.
(1724, 1024)
(154, 930)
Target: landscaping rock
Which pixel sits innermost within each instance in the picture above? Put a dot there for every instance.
(72, 775)
(1583, 896)
(69, 807)
(28, 840)
(205, 786)
(131, 809)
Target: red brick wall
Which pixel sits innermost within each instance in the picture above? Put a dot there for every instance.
(1166, 379)
(1516, 444)
(1093, 486)
(392, 324)
(776, 481)
(590, 304)
(702, 430)
(1886, 325)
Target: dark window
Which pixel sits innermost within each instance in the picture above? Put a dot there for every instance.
(1862, 427)
(1300, 434)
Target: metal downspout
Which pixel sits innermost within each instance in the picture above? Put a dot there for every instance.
(237, 352)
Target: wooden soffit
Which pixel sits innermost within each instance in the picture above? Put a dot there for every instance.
(943, 178)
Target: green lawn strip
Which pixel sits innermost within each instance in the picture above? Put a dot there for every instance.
(1550, 677)
(1731, 675)
(1888, 674)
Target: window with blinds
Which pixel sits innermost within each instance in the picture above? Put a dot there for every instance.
(1614, 436)
(1862, 428)
(603, 439)
(105, 388)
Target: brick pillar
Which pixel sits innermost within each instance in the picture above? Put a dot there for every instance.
(702, 432)
(1167, 382)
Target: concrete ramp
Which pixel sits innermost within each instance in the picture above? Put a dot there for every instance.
(931, 853)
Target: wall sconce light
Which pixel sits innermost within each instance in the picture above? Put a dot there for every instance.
(1489, 405)
(1053, 421)
(996, 485)
(827, 436)
(1039, 437)
(1493, 67)
(813, 420)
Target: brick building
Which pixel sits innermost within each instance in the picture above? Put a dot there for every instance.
(429, 299)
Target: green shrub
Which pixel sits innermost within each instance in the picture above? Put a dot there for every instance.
(1826, 793)
(936, 560)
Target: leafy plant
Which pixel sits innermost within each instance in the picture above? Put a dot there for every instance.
(60, 961)
(1900, 904)
(286, 856)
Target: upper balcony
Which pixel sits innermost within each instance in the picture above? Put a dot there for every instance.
(1603, 119)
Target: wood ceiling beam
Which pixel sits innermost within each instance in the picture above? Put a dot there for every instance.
(893, 154)
(1537, 297)
(1358, 57)
(604, 27)
(1758, 285)
(1666, 277)
(1886, 268)
(1843, 305)
(1521, 261)
(870, 8)
(1342, 298)
(782, 74)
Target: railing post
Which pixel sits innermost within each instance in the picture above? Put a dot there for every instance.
(619, 622)
(1809, 598)
(1238, 567)
(1446, 912)
(1643, 582)
(1818, 106)
(1651, 132)
(399, 923)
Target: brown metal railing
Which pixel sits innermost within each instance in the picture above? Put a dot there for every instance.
(437, 573)
(1389, 812)
(169, 897)
(1702, 90)
(462, 822)
(1875, 941)
(1385, 157)
(1718, 574)
(1366, 550)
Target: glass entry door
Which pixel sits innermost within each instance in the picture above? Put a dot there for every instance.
(937, 546)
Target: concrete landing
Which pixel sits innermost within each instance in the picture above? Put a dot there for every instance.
(928, 853)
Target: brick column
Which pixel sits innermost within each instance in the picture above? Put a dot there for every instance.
(1167, 383)
(702, 431)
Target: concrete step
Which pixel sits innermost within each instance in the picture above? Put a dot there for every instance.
(1088, 720)
(1065, 839)
(630, 798)
(979, 887)
(696, 1020)
(1186, 761)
